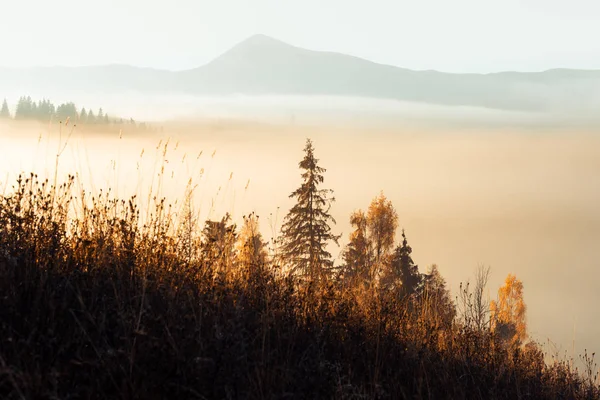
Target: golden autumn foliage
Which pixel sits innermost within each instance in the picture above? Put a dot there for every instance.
(370, 246)
(250, 246)
(100, 303)
(382, 222)
(358, 254)
(508, 313)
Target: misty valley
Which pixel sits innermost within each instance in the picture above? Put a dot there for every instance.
(289, 223)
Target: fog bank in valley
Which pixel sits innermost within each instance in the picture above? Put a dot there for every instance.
(506, 196)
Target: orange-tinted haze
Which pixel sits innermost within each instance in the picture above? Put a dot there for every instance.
(522, 202)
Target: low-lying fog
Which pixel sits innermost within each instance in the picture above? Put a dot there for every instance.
(309, 110)
(512, 196)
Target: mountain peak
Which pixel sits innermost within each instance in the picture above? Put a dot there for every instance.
(260, 39)
(260, 43)
(256, 48)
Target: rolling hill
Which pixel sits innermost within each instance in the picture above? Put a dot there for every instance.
(262, 65)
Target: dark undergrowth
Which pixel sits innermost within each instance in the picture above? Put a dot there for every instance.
(95, 303)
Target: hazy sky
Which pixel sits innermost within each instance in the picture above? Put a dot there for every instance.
(456, 36)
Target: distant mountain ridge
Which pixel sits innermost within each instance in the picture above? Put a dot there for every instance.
(261, 65)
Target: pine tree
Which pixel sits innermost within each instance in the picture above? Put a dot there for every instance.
(41, 110)
(34, 112)
(67, 112)
(83, 116)
(91, 118)
(46, 110)
(21, 112)
(4, 111)
(358, 255)
(306, 231)
(29, 107)
(405, 270)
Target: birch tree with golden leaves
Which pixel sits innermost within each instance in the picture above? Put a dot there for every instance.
(508, 313)
(251, 248)
(436, 303)
(382, 222)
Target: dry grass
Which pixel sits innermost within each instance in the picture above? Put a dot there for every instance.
(97, 303)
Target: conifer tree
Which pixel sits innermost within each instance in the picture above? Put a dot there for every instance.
(21, 112)
(91, 118)
(41, 110)
(405, 269)
(4, 111)
(358, 255)
(306, 231)
(67, 111)
(28, 107)
(83, 116)
(46, 110)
